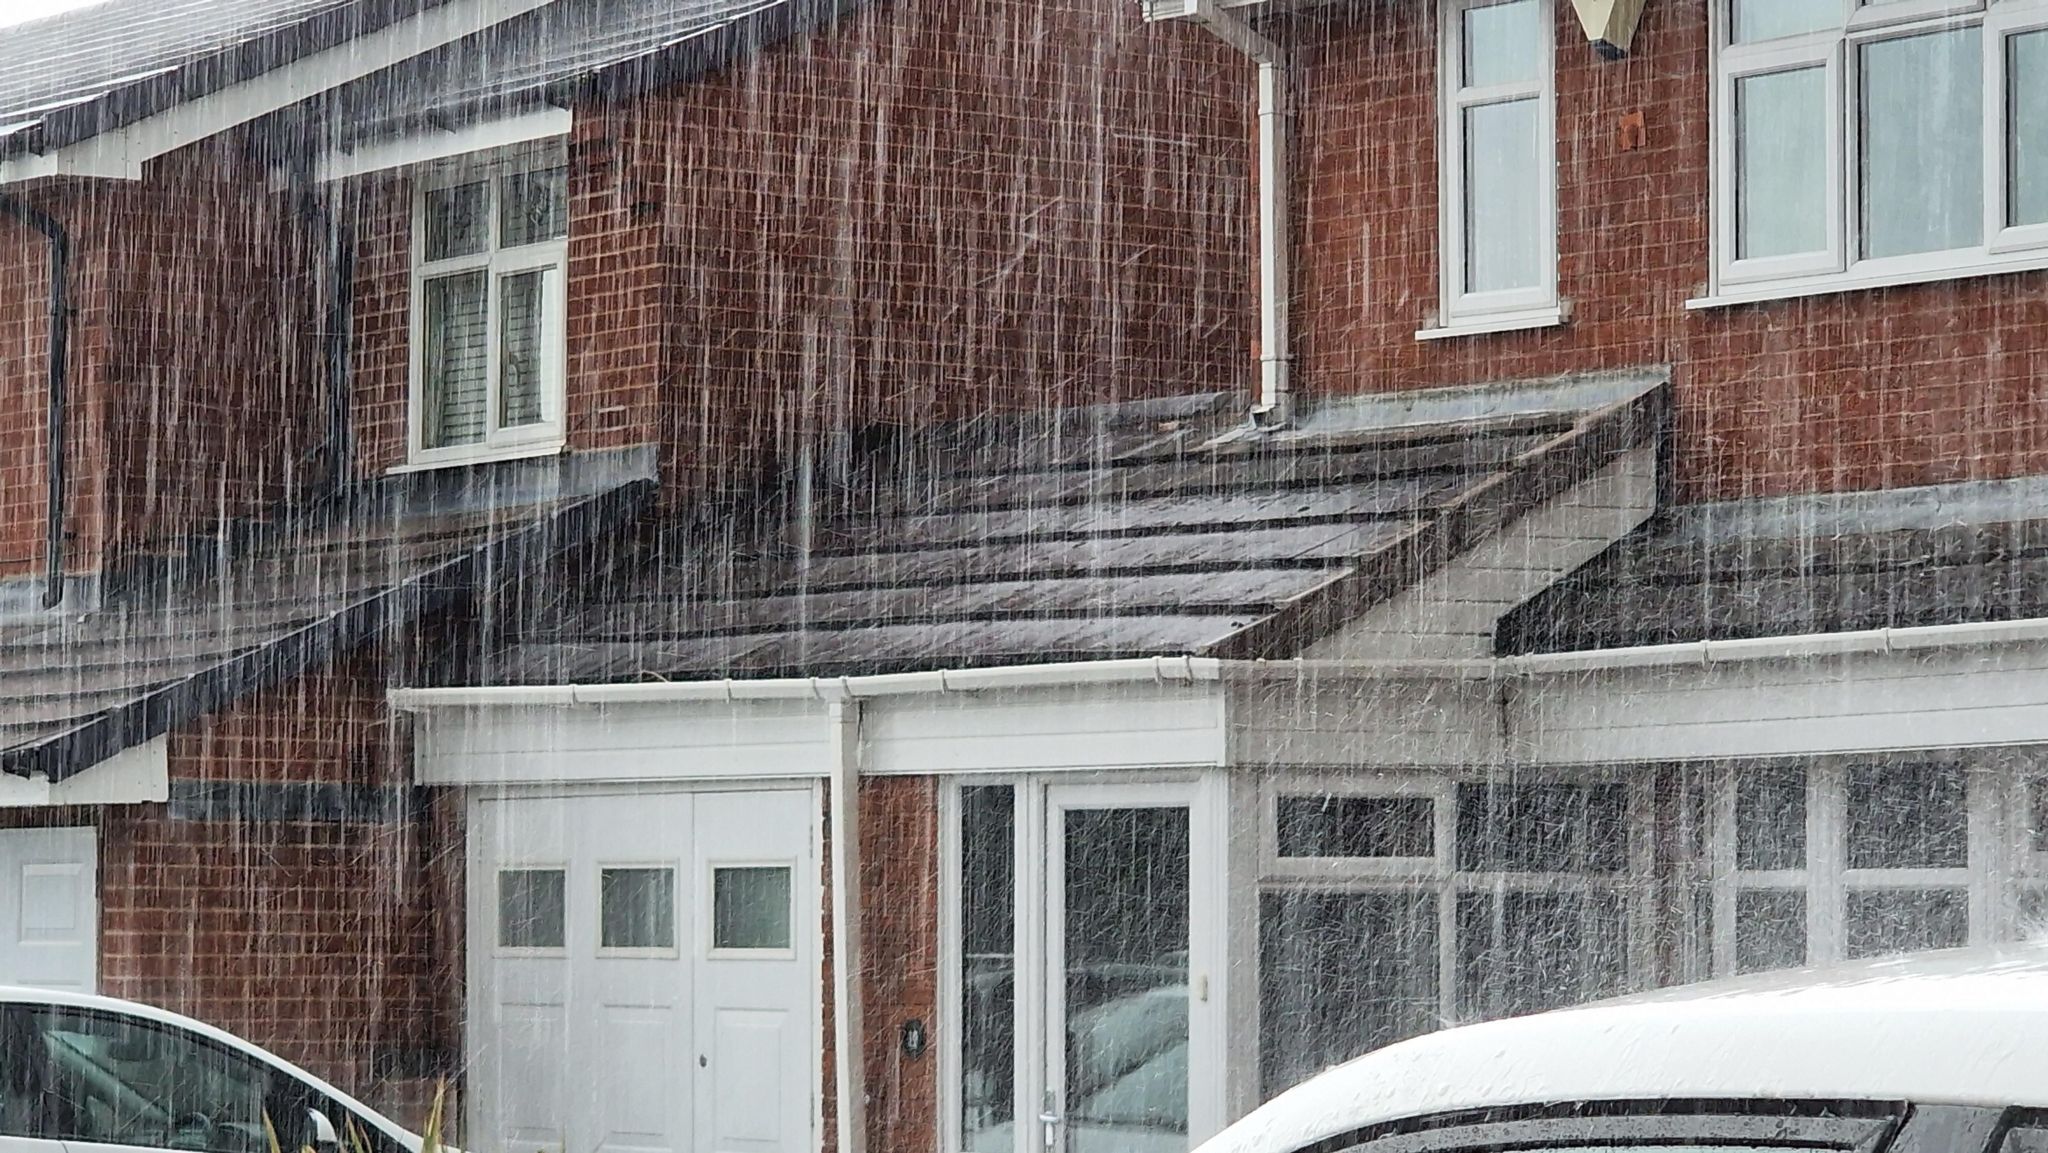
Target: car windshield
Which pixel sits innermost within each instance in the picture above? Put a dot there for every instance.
(129, 1083)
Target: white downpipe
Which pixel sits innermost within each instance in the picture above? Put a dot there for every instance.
(1275, 405)
(849, 1068)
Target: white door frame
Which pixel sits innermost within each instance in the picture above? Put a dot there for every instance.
(1039, 992)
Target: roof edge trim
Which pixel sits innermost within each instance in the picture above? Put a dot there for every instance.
(428, 146)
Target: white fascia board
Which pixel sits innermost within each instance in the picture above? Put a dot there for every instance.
(427, 147)
(122, 152)
(133, 776)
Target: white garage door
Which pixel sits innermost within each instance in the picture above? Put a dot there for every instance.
(643, 972)
(49, 907)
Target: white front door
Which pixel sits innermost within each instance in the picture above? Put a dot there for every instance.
(1131, 1005)
(613, 1010)
(49, 905)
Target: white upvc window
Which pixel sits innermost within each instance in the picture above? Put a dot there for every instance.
(1497, 144)
(1862, 143)
(489, 262)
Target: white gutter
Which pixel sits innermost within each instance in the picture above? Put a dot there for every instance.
(1275, 405)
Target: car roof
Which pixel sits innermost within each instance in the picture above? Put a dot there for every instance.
(1954, 1027)
(20, 994)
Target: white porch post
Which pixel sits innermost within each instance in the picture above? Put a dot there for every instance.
(849, 1082)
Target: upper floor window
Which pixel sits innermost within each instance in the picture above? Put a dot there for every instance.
(1498, 194)
(1879, 141)
(490, 248)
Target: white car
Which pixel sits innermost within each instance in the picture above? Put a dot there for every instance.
(1935, 1053)
(84, 1074)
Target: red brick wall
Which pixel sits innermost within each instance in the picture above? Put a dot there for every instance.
(24, 328)
(932, 209)
(1851, 391)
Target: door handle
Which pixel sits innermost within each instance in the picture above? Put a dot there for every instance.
(1049, 1120)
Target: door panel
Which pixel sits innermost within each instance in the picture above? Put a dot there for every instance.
(50, 907)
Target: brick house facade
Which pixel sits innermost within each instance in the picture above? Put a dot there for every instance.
(908, 337)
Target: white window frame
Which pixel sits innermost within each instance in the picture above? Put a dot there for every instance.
(1825, 878)
(1838, 268)
(544, 436)
(1635, 884)
(1464, 312)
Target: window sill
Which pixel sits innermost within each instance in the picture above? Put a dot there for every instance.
(528, 451)
(1860, 282)
(1502, 322)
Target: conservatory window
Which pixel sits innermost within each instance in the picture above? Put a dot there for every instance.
(1498, 139)
(1871, 143)
(1393, 906)
(490, 249)
(1844, 861)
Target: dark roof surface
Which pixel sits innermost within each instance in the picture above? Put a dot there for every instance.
(1128, 531)
(1934, 555)
(80, 688)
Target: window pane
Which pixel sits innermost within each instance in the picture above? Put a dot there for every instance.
(988, 966)
(533, 206)
(1339, 974)
(1880, 921)
(750, 908)
(2025, 1139)
(2026, 97)
(456, 224)
(121, 1081)
(1770, 929)
(2037, 815)
(530, 909)
(1908, 817)
(1770, 19)
(1124, 928)
(1923, 143)
(1781, 163)
(1504, 171)
(1541, 829)
(1522, 952)
(1770, 819)
(636, 909)
(1504, 44)
(521, 347)
(456, 359)
(1330, 826)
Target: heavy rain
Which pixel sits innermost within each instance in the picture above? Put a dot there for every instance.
(1023, 576)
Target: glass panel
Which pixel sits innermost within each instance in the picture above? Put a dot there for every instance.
(530, 909)
(1923, 143)
(750, 907)
(120, 1081)
(2037, 810)
(456, 222)
(636, 909)
(456, 359)
(520, 347)
(1125, 935)
(1879, 921)
(988, 968)
(1770, 19)
(1523, 952)
(1908, 817)
(1770, 929)
(1781, 163)
(1504, 171)
(2025, 1139)
(1504, 44)
(1333, 826)
(533, 206)
(1541, 829)
(2033, 914)
(2026, 71)
(1770, 819)
(1339, 974)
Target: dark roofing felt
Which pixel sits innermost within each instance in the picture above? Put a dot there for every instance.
(1130, 531)
(79, 688)
(1934, 555)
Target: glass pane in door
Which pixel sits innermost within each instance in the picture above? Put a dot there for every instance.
(1124, 936)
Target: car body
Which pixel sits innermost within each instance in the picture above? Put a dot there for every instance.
(85, 1074)
(1931, 1053)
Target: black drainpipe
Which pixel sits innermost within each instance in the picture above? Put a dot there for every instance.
(60, 324)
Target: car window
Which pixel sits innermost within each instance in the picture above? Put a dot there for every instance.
(118, 1080)
(1640, 1127)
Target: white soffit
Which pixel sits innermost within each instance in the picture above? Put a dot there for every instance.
(121, 153)
(432, 145)
(135, 775)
